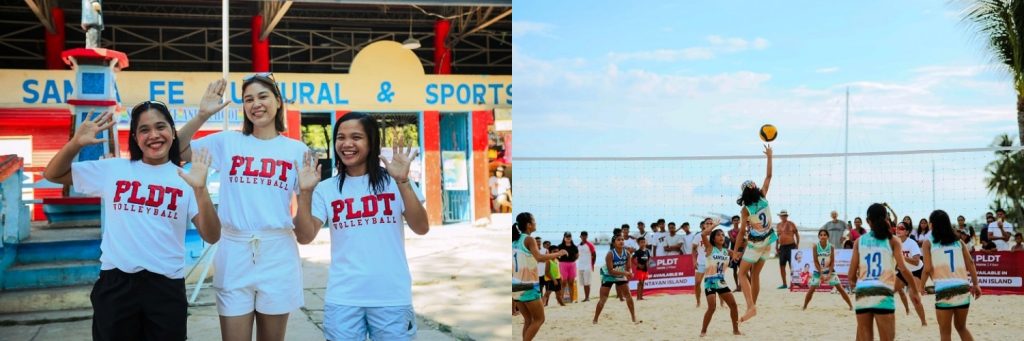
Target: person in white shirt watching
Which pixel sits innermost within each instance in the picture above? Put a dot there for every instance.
(1000, 231)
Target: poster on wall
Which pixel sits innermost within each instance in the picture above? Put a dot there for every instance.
(454, 175)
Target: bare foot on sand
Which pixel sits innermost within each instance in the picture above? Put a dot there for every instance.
(736, 332)
(751, 312)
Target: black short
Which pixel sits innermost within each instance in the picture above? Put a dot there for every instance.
(609, 284)
(708, 292)
(915, 273)
(138, 306)
(875, 311)
(785, 251)
(554, 286)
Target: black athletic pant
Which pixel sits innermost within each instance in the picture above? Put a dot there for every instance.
(138, 306)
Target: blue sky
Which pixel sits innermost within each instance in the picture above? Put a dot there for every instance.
(657, 78)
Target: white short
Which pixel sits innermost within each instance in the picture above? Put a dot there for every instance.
(258, 271)
(585, 275)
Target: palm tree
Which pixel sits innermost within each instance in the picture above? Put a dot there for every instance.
(1001, 24)
(1006, 180)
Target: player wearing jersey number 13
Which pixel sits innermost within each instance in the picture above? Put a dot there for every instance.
(875, 255)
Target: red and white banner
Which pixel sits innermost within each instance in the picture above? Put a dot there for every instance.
(801, 261)
(667, 275)
(1000, 272)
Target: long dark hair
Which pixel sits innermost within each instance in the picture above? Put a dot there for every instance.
(942, 228)
(750, 196)
(926, 226)
(379, 178)
(570, 240)
(134, 151)
(519, 227)
(268, 82)
(878, 219)
(969, 226)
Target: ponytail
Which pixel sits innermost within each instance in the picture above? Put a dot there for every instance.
(878, 218)
(519, 227)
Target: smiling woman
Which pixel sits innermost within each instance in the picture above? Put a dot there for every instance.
(258, 268)
(143, 249)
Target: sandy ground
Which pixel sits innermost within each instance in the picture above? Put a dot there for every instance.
(675, 317)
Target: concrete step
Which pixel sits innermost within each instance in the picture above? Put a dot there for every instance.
(48, 246)
(51, 274)
(38, 300)
(47, 305)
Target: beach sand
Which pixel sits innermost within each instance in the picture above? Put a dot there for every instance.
(675, 317)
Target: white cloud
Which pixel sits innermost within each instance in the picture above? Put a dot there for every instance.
(664, 55)
(717, 45)
(687, 114)
(737, 44)
(521, 29)
(827, 70)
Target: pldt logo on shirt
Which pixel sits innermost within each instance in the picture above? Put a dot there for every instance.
(161, 201)
(270, 172)
(363, 212)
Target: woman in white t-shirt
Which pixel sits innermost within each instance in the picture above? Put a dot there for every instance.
(915, 263)
(697, 251)
(140, 293)
(369, 289)
(259, 273)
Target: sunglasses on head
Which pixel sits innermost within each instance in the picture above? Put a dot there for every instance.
(266, 75)
(151, 104)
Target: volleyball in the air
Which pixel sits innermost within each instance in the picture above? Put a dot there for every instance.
(768, 133)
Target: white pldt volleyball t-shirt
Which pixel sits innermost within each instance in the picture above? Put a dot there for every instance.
(257, 178)
(146, 209)
(368, 264)
(910, 249)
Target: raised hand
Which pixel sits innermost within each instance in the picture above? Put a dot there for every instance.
(196, 177)
(212, 100)
(768, 150)
(398, 167)
(309, 175)
(86, 133)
